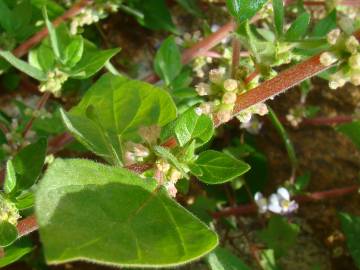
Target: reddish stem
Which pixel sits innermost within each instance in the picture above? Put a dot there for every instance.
(325, 121)
(22, 49)
(316, 196)
(27, 225)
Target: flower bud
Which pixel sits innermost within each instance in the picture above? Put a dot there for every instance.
(355, 78)
(229, 98)
(217, 75)
(337, 80)
(244, 116)
(8, 211)
(171, 189)
(327, 59)
(174, 175)
(150, 134)
(333, 36)
(223, 115)
(354, 61)
(162, 165)
(352, 44)
(230, 85)
(204, 108)
(203, 89)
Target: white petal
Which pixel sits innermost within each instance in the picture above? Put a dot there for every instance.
(284, 193)
(274, 199)
(258, 196)
(275, 208)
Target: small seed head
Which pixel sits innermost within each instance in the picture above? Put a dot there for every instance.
(333, 36)
(229, 98)
(352, 44)
(230, 85)
(217, 75)
(327, 59)
(203, 89)
(354, 61)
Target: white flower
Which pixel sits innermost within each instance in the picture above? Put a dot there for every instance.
(333, 36)
(354, 61)
(230, 85)
(253, 126)
(327, 59)
(203, 89)
(261, 202)
(280, 202)
(229, 98)
(352, 44)
(217, 75)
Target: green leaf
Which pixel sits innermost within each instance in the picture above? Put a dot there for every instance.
(8, 233)
(280, 235)
(325, 25)
(109, 215)
(190, 126)
(285, 137)
(222, 259)
(191, 6)
(351, 227)
(298, 28)
(167, 155)
(168, 61)
(6, 19)
(278, 7)
(10, 177)
(352, 131)
(74, 51)
(16, 251)
(244, 9)
(25, 200)
(268, 261)
(92, 61)
(213, 167)
(45, 57)
(28, 164)
(119, 107)
(23, 66)
(302, 181)
(52, 35)
(156, 15)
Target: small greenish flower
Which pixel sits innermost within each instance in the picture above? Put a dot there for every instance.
(8, 211)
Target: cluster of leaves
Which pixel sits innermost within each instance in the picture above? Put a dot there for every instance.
(105, 213)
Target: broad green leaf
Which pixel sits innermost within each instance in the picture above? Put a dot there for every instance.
(92, 61)
(280, 235)
(352, 131)
(6, 19)
(28, 164)
(23, 66)
(351, 227)
(190, 126)
(298, 28)
(10, 177)
(168, 61)
(74, 51)
(108, 215)
(278, 7)
(213, 167)
(244, 9)
(222, 259)
(52, 35)
(21, 15)
(325, 25)
(119, 107)
(8, 233)
(16, 251)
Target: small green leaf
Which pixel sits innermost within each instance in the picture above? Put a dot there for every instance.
(244, 9)
(167, 155)
(213, 167)
(45, 57)
(168, 61)
(10, 177)
(298, 28)
(280, 235)
(16, 251)
(278, 7)
(8, 233)
(108, 215)
(268, 261)
(325, 25)
(52, 35)
(190, 126)
(302, 181)
(351, 227)
(222, 259)
(352, 131)
(74, 51)
(28, 164)
(23, 66)
(25, 200)
(92, 61)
